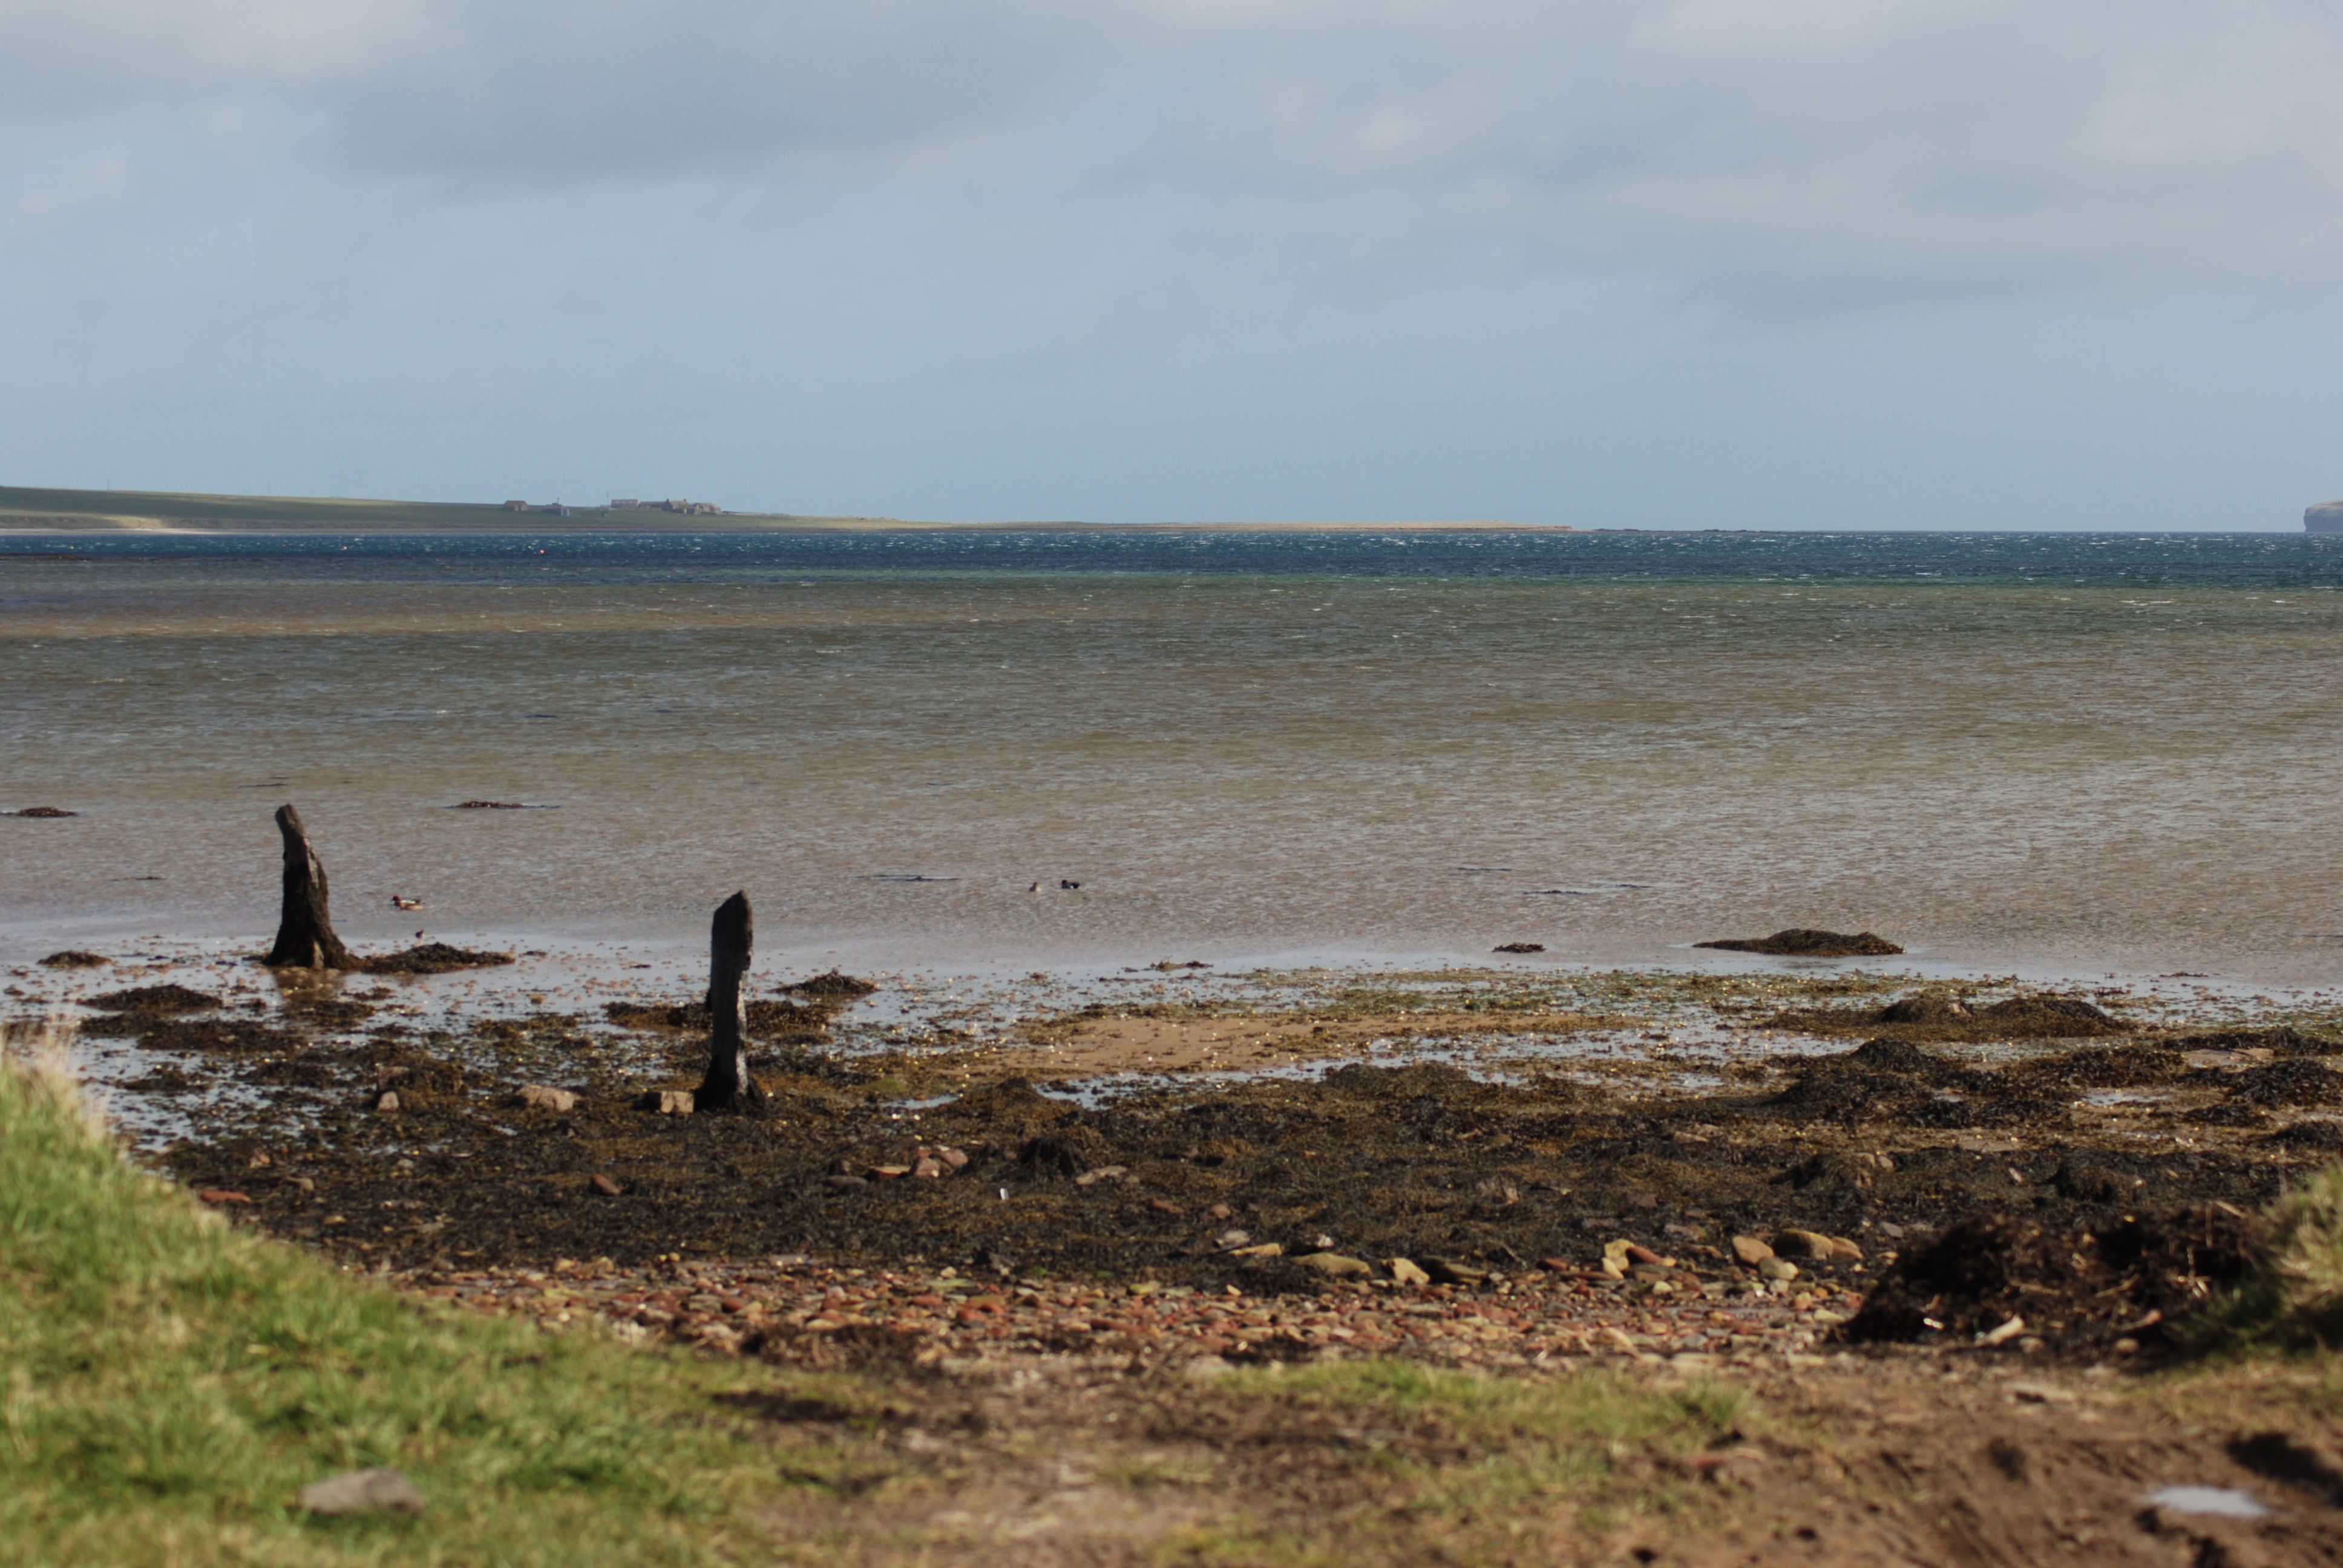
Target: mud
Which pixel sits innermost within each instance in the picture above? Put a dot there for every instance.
(1802, 943)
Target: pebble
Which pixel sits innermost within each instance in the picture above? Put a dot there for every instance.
(544, 1097)
(791, 1309)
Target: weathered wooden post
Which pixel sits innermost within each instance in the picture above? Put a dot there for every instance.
(728, 1086)
(304, 931)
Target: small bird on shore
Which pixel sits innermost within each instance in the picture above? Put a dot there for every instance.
(399, 903)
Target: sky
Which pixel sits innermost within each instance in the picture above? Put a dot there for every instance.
(1660, 264)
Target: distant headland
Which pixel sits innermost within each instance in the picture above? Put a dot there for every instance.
(2326, 518)
(24, 509)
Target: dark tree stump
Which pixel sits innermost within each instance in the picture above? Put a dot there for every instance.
(305, 933)
(728, 1085)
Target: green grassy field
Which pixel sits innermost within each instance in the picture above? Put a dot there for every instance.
(167, 1385)
(23, 507)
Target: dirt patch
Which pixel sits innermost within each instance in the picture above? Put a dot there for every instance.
(1804, 942)
(152, 998)
(432, 958)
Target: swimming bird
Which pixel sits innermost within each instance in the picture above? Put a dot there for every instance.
(399, 903)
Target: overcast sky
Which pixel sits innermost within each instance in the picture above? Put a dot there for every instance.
(1669, 263)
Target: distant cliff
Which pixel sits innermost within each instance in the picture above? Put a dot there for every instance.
(2326, 518)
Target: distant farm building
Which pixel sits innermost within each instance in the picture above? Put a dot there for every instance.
(688, 508)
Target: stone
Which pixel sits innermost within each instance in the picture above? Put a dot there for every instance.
(386, 1102)
(222, 1195)
(670, 1102)
(608, 1188)
(1612, 1340)
(1614, 1258)
(1265, 1249)
(847, 1183)
(1403, 1271)
(1778, 1269)
(1218, 1212)
(1102, 1174)
(1336, 1266)
(886, 1172)
(1645, 1256)
(927, 1169)
(954, 1158)
(1164, 1206)
(1228, 1239)
(1751, 1250)
(1804, 1244)
(544, 1097)
(1844, 1250)
(362, 1492)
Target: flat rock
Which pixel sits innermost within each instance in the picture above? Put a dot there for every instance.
(362, 1492)
(670, 1102)
(1336, 1265)
(1404, 1272)
(544, 1097)
(1751, 1250)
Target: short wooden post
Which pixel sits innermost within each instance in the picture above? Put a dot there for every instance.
(728, 1086)
(304, 931)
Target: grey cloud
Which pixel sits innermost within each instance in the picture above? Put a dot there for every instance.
(1927, 145)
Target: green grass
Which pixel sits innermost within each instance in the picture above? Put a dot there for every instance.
(22, 507)
(167, 1384)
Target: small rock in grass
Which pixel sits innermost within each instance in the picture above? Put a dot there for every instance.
(1102, 1174)
(386, 1102)
(1614, 1340)
(222, 1195)
(1404, 1272)
(1751, 1250)
(544, 1097)
(1265, 1249)
(1778, 1269)
(1336, 1266)
(927, 1169)
(1218, 1212)
(1164, 1206)
(669, 1101)
(362, 1492)
(954, 1159)
(608, 1188)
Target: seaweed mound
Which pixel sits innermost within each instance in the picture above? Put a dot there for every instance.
(155, 999)
(2281, 1041)
(2287, 1084)
(837, 984)
(765, 1017)
(75, 959)
(432, 958)
(1888, 1055)
(2043, 1018)
(215, 1034)
(48, 812)
(1802, 942)
(2104, 1067)
(1928, 1007)
(2142, 1276)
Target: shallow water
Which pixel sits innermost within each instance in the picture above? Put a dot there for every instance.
(2040, 753)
